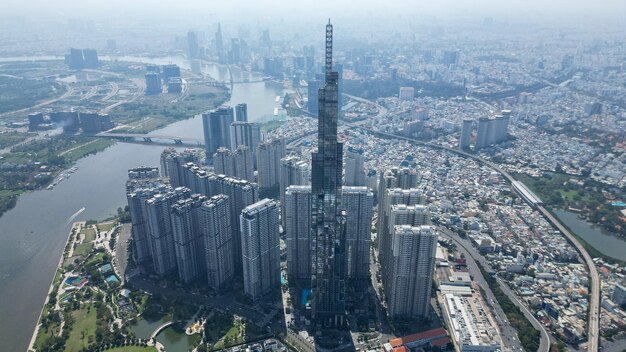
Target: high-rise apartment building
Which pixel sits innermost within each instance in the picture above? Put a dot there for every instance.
(407, 93)
(297, 217)
(245, 133)
(260, 248)
(358, 203)
(241, 112)
(482, 133)
(215, 227)
(223, 162)
(216, 125)
(243, 163)
(161, 236)
(188, 243)
(293, 171)
(269, 154)
(466, 133)
(354, 172)
(408, 288)
(172, 162)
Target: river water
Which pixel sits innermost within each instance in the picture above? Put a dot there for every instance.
(33, 234)
(595, 236)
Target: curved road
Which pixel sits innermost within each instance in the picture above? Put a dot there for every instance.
(473, 256)
(594, 299)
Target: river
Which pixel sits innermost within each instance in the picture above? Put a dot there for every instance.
(595, 236)
(34, 233)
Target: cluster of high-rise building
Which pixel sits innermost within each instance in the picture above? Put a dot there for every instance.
(203, 226)
(158, 76)
(489, 131)
(82, 58)
(209, 223)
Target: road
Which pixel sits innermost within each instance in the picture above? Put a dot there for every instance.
(508, 333)
(594, 299)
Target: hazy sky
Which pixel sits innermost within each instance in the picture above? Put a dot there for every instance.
(312, 9)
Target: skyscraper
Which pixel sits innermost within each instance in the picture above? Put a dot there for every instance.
(215, 228)
(172, 162)
(357, 204)
(313, 90)
(241, 112)
(269, 154)
(328, 275)
(219, 45)
(245, 133)
(260, 248)
(354, 173)
(466, 132)
(192, 45)
(216, 124)
(153, 83)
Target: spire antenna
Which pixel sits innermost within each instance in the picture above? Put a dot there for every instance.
(329, 48)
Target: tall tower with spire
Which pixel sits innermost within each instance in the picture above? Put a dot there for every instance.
(328, 223)
(219, 43)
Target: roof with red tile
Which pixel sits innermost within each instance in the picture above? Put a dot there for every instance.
(425, 335)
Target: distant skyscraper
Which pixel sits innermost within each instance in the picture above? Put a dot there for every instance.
(241, 112)
(215, 226)
(192, 45)
(313, 89)
(90, 57)
(482, 133)
(76, 60)
(216, 124)
(354, 173)
(407, 93)
(408, 290)
(269, 154)
(328, 277)
(245, 133)
(188, 242)
(170, 71)
(219, 45)
(260, 248)
(466, 132)
(153, 83)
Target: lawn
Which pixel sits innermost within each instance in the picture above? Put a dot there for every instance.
(132, 349)
(83, 328)
(88, 148)
(107, 226)
(83, 249)
(90, 234)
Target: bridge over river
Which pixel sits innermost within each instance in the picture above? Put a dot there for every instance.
(152, 139)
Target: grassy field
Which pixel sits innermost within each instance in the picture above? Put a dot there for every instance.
(83, 328)
(90, 234)
(271, 125)
(11, 138)
(83, 249)
(19, 93)
(105, 226)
